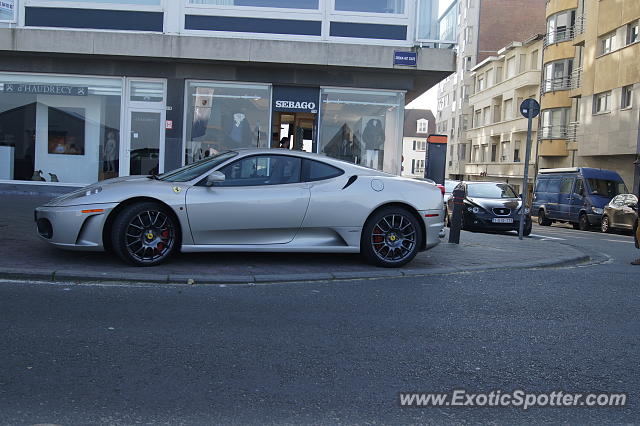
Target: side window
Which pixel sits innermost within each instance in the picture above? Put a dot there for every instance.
(316, 170)
(579, 189)
(262, 170)
(566, 185)
(542, 185)
(554, 186)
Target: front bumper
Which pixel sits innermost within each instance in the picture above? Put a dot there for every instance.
(73, 227)
(485, 221)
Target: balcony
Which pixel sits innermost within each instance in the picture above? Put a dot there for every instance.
(565, 33)
(554, 132)
(566, 82)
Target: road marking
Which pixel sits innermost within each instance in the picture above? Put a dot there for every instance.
(620, 241)
(544, 237)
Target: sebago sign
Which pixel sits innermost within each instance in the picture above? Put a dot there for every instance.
(296, 99)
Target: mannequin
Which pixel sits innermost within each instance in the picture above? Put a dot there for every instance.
(239, 132)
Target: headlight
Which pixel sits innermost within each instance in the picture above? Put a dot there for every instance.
(596, 210)
(93, 191)
(476, 210)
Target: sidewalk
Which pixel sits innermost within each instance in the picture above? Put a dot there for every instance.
(23, 255)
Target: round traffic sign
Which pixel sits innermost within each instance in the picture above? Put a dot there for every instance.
(530, 106)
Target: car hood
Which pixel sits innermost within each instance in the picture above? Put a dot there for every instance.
(118, 189)
(492, 203)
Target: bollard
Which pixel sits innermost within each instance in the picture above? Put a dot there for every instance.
(456, 218)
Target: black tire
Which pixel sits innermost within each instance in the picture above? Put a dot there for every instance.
(543, 220)
(583, 222)
(391, 237)
(528, 226)
(605, 226)
(145, 234)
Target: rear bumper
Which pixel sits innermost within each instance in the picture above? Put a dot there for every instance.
(472, 221)
(433, 224)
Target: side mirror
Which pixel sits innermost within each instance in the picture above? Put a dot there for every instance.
(214, 177)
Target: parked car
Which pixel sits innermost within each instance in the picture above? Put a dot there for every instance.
(449, 186)
(491, 206)
(620, 213)
(250, 200)
(575, 195)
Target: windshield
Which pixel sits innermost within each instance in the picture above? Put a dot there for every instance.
(490, 190)
(607, 188)
(449, 185)
(192, 171)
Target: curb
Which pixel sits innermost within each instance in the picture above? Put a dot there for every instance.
(74, 276)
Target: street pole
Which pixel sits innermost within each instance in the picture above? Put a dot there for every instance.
(531, 107)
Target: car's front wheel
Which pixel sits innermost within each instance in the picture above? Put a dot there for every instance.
(144, 234)
(391, 237)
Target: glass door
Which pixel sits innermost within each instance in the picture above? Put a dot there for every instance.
(146, 142)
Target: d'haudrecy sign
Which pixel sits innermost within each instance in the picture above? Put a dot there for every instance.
(43, 89)
(7, 10)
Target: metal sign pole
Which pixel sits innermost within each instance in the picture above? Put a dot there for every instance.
(529, 108)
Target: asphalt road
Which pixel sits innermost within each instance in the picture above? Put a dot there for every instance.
(326, 353)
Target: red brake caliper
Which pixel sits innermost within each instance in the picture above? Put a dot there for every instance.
(377, 239)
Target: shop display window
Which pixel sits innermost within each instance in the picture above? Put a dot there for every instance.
(363, 127)
(59, 128)
(223, 116)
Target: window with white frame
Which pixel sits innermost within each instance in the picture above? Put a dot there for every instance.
(511, 67)
(504, 151)
(476, 154)
(481, 83)
(417, 166)
(555, 122)
(602, 102)
(627, 95)
(508, 109)
(423, 126)
(560, 27)
(534, 60)
(607, 43)
(557, 75)
(477, 121)
(134, 2)
(369, 6)
(419, 145)
(522, 64)
(632, 32)
(286, 4)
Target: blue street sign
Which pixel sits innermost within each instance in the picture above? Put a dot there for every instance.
(408, 59)
(530, 104)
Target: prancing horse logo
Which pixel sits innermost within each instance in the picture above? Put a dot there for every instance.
(177, 189)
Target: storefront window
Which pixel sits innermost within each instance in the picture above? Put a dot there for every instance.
(363, 127)
(59, 129)
(222, 116)
(289, 4)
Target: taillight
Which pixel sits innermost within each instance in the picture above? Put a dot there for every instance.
(441, 188)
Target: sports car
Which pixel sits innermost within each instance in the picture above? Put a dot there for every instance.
(272, 200)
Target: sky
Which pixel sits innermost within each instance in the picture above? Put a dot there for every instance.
(428, 100)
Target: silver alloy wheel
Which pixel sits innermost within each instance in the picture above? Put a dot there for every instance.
(150, 236)
(393, 238)
(604, 227)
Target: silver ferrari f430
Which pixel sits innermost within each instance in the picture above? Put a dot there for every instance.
(271, 200)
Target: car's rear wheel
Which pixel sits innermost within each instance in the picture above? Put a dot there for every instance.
(391, 237)
(605, 226)
(542, 219)
(145, 234)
